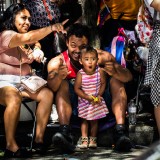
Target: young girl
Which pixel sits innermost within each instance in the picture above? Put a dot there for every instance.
(89, 85)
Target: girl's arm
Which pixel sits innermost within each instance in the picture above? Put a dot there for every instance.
(103, 78)
(77, 88)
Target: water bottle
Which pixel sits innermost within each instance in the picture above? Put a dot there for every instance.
(132, 109)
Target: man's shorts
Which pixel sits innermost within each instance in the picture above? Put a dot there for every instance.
(74, 98)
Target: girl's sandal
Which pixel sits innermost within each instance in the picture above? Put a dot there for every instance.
(92, 142)
(83, 143)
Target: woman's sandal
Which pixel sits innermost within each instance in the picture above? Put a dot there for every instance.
(20, 153)
(92, 142)
(83, 143)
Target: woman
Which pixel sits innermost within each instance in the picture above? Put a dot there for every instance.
(152, 77)
(14, 38)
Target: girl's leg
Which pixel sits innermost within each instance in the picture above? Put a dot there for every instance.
(93, 134)
(94, 128)
(84, 130)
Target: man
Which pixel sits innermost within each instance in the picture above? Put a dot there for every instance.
(62, 70)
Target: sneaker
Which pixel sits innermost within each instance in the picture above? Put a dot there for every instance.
(122, 142)
(20, 153)
(54, 115)
(63, 140)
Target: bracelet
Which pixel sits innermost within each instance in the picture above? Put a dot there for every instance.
(51, 28)
(35, 48)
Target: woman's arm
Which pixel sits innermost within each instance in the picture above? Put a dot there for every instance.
(35, 35)
(156, 5)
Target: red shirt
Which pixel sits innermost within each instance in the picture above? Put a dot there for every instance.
(69, 65)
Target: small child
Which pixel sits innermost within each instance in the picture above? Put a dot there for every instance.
(89, 85)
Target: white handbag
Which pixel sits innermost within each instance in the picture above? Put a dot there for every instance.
(33, 83)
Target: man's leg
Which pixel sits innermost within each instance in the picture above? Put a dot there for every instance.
(119, 104)
(63, 139)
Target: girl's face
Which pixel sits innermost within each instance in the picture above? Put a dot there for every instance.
(22, 21)
(89, 61)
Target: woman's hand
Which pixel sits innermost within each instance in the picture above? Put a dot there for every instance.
(38, 54)
(59, 27)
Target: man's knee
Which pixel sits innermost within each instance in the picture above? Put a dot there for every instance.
(117, 89)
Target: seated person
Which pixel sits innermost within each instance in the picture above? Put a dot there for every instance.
(63, 69)
(14, 38)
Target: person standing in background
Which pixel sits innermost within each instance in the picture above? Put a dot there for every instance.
(152, 75)
(117, 14)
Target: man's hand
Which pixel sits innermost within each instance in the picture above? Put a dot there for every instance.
(110, 68)
(63, 70)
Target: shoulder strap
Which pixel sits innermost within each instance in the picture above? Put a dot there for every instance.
(47, 10)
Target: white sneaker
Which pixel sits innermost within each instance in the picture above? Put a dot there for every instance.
(54, 114)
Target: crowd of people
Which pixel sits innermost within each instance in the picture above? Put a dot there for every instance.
(83, 80)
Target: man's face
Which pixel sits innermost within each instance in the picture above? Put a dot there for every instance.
(73, 45)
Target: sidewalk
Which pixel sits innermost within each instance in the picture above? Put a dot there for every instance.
(103, 152)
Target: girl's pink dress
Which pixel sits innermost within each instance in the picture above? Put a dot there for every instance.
(91, 85)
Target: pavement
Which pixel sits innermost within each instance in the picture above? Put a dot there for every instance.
(101, 153)
(142, 135)
(104, 150)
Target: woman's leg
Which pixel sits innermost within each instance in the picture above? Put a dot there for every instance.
(157, 117)
(11, 98)
(45, 99)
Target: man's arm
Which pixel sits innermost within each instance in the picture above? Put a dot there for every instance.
(110, 66)
(57, 72)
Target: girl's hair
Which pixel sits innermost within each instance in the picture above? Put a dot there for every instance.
(87, 48)
(7, 22)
